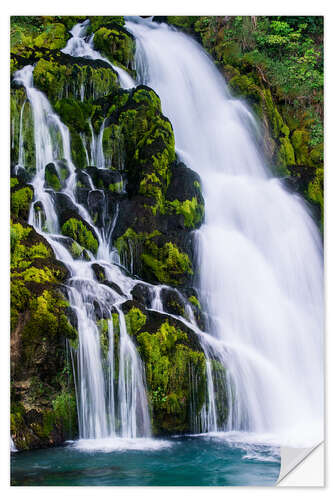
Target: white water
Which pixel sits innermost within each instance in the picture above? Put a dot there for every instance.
(261, 261)
(77, 46)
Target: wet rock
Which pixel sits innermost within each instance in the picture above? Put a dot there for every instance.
(52, 179)
(172, 301)
(96, 205)
(99, 272)
(142, 294)
(114, 287)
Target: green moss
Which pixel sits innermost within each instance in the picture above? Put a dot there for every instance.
(76, 250)
(167, 264)
(76, 230)
(97, 21)
(57, 79)
(103, 326)
(115, 44)
(135, 320)
(245, 86)
(192, 211)
(168, 364)
(184, 23)
(115, 321)
(194, 301)
(20, 202)
(300, 141)
(116, 187)
(13, 182)
(47, 317)
(54, 36)
(286, 155)
(52, 178)
(64, 408)
(74, 113)
(316, 190)
(277, 125)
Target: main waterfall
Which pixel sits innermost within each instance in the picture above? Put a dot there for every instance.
(260, 251)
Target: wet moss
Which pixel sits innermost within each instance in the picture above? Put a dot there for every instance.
(20, 201)
(115, 44)
(135, 320)
(195, 302)
(60, 76)
(76, 230)
(169, 365)
(300, 141)
(244, 85)
(52, 179)
(192, 210)
(316, 191)
(54, 36)
(167, 264)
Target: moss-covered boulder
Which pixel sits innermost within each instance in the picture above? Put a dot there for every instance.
(174, 365)
(115, 43)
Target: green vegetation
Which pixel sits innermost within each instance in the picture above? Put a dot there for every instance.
(79, 232)
(135, 320)
(169, 363)
(20, 202)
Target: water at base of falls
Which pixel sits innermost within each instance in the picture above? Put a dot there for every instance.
(178, 461)
(260, 252)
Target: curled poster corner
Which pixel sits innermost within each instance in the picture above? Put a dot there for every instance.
(302, 466)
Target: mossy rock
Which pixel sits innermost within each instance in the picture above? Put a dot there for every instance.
(115, 43)
(60, 75)
(80, 232)
(170, 366)
(245, 86)
(54, 36)
(20, 200)
(52, 179)
(39, 329)
(300, 141)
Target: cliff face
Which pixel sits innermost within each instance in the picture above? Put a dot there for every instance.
(158, 201)
(276, 64)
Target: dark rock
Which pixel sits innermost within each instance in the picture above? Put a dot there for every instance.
(72, 317)
(96, 205)
(83, 178)
(182, 184)
(64, 206)
(114, 286)
(24, 177)
(99, 272)
(173, 302)
(142, 294)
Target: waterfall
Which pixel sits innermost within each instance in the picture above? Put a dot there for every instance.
(261, 269)
(78, 46)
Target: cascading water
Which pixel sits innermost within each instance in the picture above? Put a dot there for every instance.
(260, 251)
(101, 414)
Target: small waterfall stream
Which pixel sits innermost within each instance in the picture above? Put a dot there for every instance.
(99, 416)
